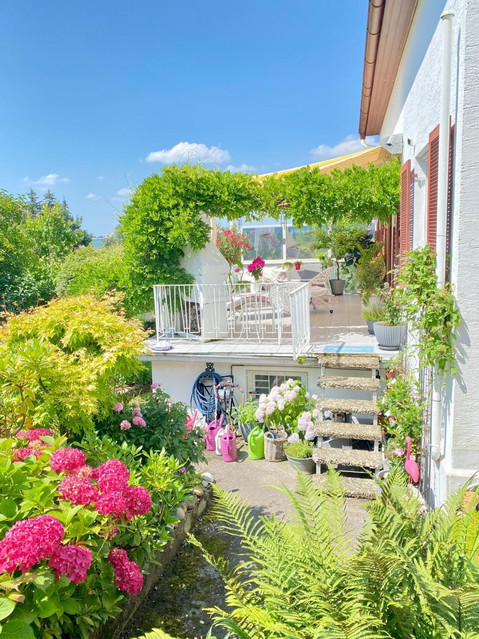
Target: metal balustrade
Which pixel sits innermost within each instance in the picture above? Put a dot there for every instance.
(258, 311)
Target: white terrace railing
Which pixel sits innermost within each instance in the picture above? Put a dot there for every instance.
(247, 311)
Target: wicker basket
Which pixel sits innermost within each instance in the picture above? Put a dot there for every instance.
(274, 441)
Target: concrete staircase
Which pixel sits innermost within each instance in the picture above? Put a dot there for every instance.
(351, 459)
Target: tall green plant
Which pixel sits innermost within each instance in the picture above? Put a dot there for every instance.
(432, 312)
(409, 576)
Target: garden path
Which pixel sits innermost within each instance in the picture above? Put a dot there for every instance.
(177, 601)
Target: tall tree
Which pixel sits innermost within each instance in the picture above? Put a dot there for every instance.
(34, 206)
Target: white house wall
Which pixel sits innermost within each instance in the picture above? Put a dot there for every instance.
(414, 111)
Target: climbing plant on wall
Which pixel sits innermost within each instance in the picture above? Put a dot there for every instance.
(166, 214)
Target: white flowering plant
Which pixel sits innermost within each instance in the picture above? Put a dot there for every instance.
(284, 406)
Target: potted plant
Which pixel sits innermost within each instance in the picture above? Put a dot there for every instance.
(393, 368)
(245, 417)
(280, 410)
(370, 271)
(300, 456)
(391, 331)
(373, 313)
(298, 264)
(343, 240)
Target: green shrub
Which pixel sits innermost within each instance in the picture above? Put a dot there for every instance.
(409, 575)
(59, 363)
(38, 601)
(374, 313)
(93, 271)
(300, 449)
(154, 422)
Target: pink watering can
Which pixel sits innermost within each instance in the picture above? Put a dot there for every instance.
(228, 445)
(211, 431)
(410, 466)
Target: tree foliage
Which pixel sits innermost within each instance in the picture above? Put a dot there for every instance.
(91, 270)
(34, 240)
(315, 199)
(166, 214)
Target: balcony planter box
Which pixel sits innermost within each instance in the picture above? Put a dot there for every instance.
(337, 286)
(305, 464)
(390, 338)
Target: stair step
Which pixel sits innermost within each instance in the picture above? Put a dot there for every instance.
(338, 360)
(353, 486)
(342, 457)
(368, 432)
(353, 383)
(348, 406)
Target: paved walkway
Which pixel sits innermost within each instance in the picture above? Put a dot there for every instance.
(254, 480)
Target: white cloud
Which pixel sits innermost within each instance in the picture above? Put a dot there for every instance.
(92, 196)
(242, 168)
(190, 152)
(349, 144)
(126, 191)
(49, 180)
(101, 177)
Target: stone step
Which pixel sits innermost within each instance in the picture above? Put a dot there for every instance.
(348, 406)
(339, 360)
(351, 383)
(342, 457)
(368, 432)
(353, 486)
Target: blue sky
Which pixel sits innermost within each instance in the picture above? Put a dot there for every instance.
(97, 95)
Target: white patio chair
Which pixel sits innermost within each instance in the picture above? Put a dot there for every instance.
(319, 291)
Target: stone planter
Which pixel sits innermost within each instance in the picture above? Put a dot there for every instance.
(337, 286)
(390, 338)
(305, 464)
(370, 324)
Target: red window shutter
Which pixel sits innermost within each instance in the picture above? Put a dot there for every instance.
(432, 175)
(405, 210)
(450, 173)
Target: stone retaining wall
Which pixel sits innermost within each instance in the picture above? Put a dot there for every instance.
(188, 512)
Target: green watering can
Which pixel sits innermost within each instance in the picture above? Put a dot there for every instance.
(256, 443)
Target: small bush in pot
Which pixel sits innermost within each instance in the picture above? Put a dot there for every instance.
(300, 455)
(373, 313)
(245, 417)
(392, 330)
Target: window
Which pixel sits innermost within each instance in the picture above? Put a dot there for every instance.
(259, 383)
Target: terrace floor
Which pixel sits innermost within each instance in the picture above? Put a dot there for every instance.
(344, 327)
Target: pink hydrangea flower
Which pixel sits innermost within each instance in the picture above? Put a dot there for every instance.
(84, 471)
(154, 386)
(139, 421)
(112, 503)
(128, 577)
(34, 434)
(117, 556)
(21, 454)
(182, 470)
(29, 541)
(65, 459)
(125, 425)
(118, 407)
(137, 411)
(78, 490)
(138, 501)
(112, 476)
(72, 561)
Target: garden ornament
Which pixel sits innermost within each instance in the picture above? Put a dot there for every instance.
(410, 465)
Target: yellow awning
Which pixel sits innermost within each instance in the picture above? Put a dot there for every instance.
(375, 155)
